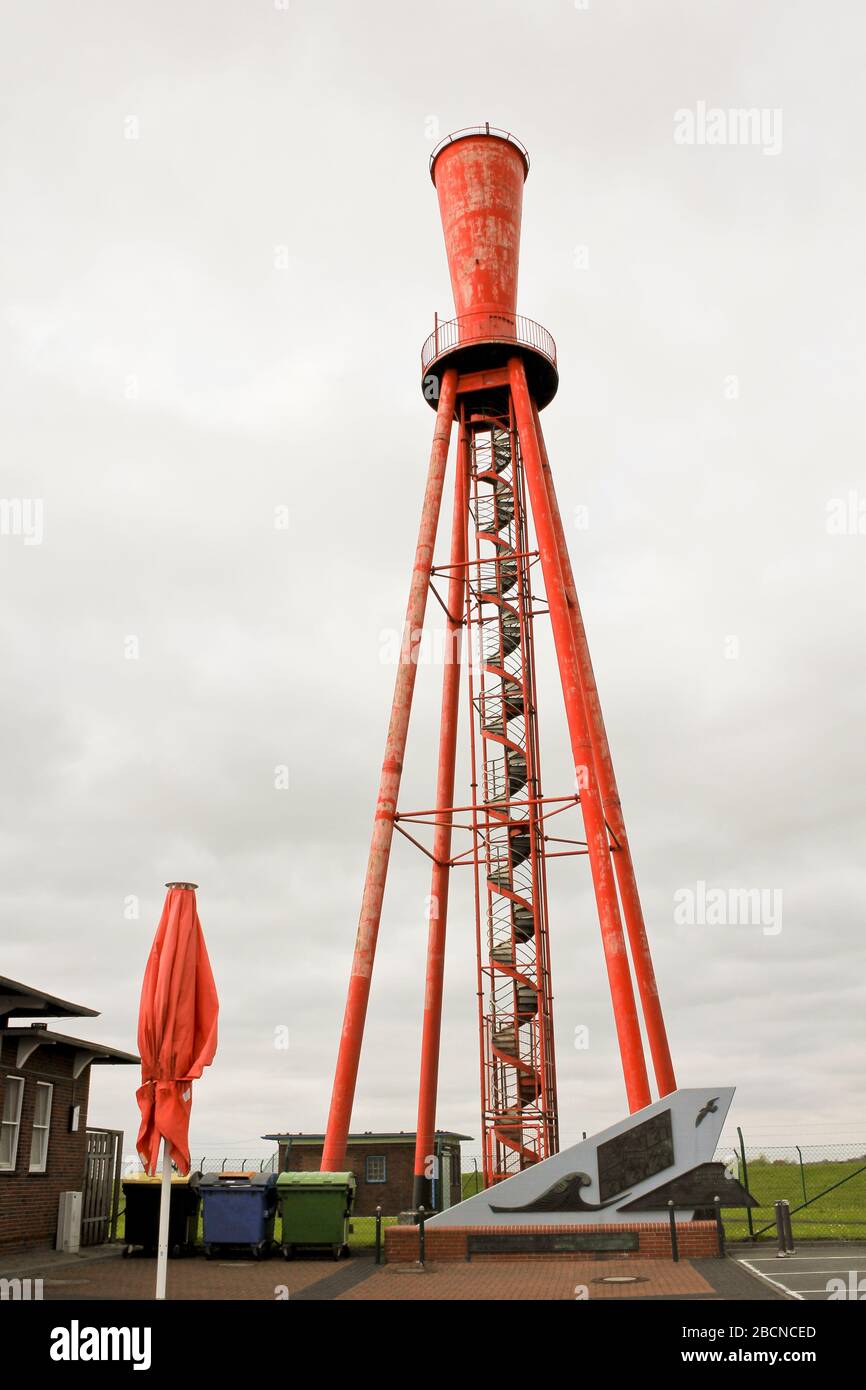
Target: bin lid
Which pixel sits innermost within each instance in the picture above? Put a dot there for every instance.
(316, 1180)
(137, 1179)
(238, 1180)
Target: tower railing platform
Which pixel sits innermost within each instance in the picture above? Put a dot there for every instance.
(478, 340)
(469, 131)
(486, 328)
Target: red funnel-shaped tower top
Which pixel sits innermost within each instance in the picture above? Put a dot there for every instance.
(479, 179)
(479, 176)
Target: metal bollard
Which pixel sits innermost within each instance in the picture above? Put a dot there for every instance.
(789, 1230)
(720, 1226)
(422, 1215)
(780, 1231)
(675, 1249)
(378, 1235)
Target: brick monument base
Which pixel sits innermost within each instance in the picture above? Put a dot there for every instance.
(649, 1240)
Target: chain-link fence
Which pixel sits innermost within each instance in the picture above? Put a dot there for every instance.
(241, 1161)
(824, 1185)
(472, 1176)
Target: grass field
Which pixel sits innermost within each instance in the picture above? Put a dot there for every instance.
(840, 1214)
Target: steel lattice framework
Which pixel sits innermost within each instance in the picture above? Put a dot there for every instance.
(491, 371)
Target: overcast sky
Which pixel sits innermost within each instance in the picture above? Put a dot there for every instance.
(221, 253)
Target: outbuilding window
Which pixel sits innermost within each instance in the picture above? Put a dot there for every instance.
(375, 1168)
(41, 1126)
(13, 1094)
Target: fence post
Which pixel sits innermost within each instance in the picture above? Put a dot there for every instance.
(422, 1215)
(789, 1230)
(746, 1181)
(720, 1226)
(675, 1249)
(802, 1174)
(780, 1231)
(116, 1185)
(378, 1235)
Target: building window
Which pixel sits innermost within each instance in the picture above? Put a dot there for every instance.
(41, 1126)
(13, 1094)
(375, 1168)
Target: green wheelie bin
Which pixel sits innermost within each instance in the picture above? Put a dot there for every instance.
(315, 1209)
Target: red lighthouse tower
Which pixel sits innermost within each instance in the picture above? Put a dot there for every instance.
(490, 372)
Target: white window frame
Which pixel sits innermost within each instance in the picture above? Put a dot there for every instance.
(376, 1158)
(41, 1129)
(14, 1124)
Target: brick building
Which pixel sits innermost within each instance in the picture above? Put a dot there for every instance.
(44, 1091)
(383, 1165)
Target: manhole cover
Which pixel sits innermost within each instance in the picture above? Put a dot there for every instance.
(621, 1279)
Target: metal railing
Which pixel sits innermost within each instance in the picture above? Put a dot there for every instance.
(486, 129)
(486, 327)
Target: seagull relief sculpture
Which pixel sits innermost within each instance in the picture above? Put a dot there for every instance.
(629, 1172)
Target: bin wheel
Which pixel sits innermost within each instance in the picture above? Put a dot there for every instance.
(337, 1251)
(288, 1252)
(208, 1252)
(175, 1252)
(127, 1251)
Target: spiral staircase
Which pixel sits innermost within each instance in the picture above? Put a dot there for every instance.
(518, 1067)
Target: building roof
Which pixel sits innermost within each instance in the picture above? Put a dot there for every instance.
(23, 1001)
(31, 1038)
(403, 1136)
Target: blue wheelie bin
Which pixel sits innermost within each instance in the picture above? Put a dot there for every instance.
(239, 1212)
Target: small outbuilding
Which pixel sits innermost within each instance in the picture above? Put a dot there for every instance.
(46, 1147)
(383, 1165)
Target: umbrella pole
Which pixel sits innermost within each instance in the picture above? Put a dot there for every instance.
(164, 1204)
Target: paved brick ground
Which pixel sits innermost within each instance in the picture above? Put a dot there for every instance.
(106, 1276)
(194, 1278)
(532, 1279)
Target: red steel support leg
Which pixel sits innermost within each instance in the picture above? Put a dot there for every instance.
(613, 941)
(432, 1028)
(622, 860)
(348, 1057)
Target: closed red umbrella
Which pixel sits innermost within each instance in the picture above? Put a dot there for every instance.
(177, 1039)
